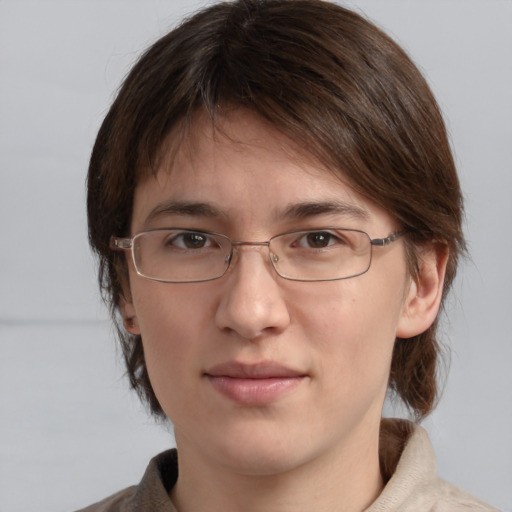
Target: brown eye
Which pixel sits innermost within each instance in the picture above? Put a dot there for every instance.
(194, 240)
(319, 239)
(190, 240)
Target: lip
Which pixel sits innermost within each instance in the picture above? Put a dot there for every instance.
(253, 384)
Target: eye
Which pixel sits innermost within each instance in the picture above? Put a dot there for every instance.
(318, 240)
(191, 240)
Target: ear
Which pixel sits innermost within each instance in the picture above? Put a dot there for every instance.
(424, 296)
(130, 321)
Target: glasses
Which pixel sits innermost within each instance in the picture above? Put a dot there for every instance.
(177, 255)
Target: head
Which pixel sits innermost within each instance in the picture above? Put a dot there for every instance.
(326, 79)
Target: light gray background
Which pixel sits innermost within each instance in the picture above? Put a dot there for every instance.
(70, 431)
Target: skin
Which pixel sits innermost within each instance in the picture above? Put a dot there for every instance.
(315, 445)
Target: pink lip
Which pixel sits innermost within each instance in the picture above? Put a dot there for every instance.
(253, 384)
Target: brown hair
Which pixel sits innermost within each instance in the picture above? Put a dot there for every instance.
(328, 79)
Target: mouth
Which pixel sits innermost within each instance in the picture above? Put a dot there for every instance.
(253, 384)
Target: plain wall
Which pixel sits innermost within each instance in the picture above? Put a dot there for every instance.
(70, 430)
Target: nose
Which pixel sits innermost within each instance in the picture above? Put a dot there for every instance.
(252, 302)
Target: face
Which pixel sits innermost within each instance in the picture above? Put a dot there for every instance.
(260, 374)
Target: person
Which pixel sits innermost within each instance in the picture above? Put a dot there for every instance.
(277, 216)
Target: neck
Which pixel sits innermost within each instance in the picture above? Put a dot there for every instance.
(342, 480)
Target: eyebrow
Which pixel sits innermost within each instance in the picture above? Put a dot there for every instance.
(173, 207)
(311, 209)
(294, 211)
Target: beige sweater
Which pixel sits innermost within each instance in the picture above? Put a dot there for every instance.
(407, 461)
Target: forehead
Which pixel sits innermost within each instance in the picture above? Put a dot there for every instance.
(206, 140)
(241, 167)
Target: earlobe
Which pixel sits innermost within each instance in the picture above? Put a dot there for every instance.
(425, 293)
(130, 321)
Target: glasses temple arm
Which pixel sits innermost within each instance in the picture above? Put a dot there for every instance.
(120, 244)
(391, 238)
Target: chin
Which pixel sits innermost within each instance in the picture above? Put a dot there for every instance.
(259, 451)
(258, 462)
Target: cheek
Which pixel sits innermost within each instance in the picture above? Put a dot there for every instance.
(166, 329)
(166, 321)
(355, 329)
(356, 311)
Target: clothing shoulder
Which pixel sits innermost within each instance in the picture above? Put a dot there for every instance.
(412, 481)
(152, 493)
(441, 496)
(119, 502)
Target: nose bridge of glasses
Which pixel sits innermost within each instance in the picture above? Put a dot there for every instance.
(237, 245)
(241, 243)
